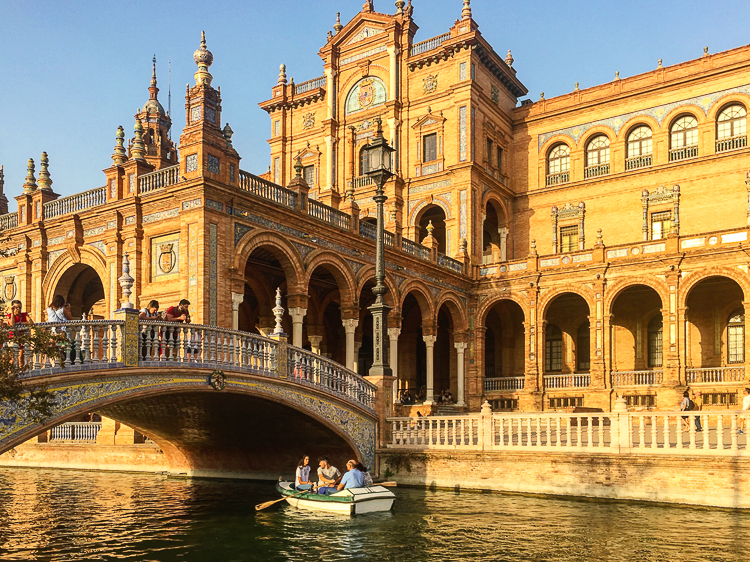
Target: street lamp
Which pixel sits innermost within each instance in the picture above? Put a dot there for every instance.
(380, 161)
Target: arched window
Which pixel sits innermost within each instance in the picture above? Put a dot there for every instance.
(552, 349)
(655, 339)
(558, 165)
(597, 156)
(736, 337)
(364, 160)
(583, 347)
(639, 148)
(731, 128)
(683, 138)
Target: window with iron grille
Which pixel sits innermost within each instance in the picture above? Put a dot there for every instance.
(488, 154)
(558, 161)
(736, 337)
(553, 349)
(364, 160)
(499, 159)
(641, 400)
(583, 349)
(568, 238)
(505, 404)
(655, 342)
(720, 399)
(429, 143)
(661, 224)
(565, 402)
(597, 151)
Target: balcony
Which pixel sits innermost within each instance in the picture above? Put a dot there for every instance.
(638, 162)
(557, 179)
(504, 383)
(573, 380)
(429, 44)
(683, 153)
(712, 375)
(637, 378)
(596, 171)
(733, 143)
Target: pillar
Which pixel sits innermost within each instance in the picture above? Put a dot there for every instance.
(350, 325)
(330, 89)
(237, 299)
(460, 348)
(429, 342)
(297, 315)
(393, 64)
(503, 232)
(357, 347)
(315, 343)
(329, 161)
(393, 334)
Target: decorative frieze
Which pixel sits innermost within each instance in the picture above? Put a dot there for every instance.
(161, 215)
(364, 55)
(94, 231)
(55, 240)
(193, 203)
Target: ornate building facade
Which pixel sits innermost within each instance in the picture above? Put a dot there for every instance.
(541, 255)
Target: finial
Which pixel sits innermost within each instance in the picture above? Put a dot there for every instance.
(533, 246)
(228, 132)
(400, 7)
(119, 156)
(509, 59)
(126, 283)
(278, 312)
(464, 244)
(138, 151)
(153, 71)
(541, 96)
(337, 26)
(466, 10)
(379, 123)
(367, 6)
(576, 88)
(203, 58)
(660, 63)
(329, 36)
(409, 11)
(298, 167)
(599, 237)
(430, 228)
(705, 51)
(282, 74)
(45, 182)
(617, 74)
(30, 184)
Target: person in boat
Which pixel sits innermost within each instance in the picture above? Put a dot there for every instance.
(366, 476)
(352, 478)
(328, 476)
(302, 476)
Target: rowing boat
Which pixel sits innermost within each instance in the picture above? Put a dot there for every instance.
(352, 501)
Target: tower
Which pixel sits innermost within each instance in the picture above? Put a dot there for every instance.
(156, 123)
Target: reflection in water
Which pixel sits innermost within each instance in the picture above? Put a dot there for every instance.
(75, 515)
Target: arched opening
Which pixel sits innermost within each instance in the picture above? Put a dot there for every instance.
(444, 358)
(566, 349)
(494, 234)
(504, 354)
(82, 287)
(433, 214)
(327, 325)
(715, 332)
(412, 351)
(655, 342)
(264, 273)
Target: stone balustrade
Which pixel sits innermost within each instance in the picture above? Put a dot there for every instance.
(637, 378)
(661, 433)
(713, 375)
(504, 383)
(429, 44)
(308, 85)
(76, 432)
(323, 212)
(159, 179)
(8, 221)
(573, 380)
(75, 203)
(267, 190)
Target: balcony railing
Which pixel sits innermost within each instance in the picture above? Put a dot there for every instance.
(596, 171)
(715, 374)
(323, 212)
(417, 250)
(159, 179)
(575, 380)
(683, 153)
(429, 44)
(557, 179)
(361, 181)
(303, 87)
(724, 145)
(8, 221)
(76, 432)
(504, 383)
(75, 203)
(638, 162)
(369, 230)
(450, 263)
(267, 190)
(637, 378)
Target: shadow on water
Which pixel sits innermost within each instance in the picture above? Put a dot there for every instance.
(74, 515)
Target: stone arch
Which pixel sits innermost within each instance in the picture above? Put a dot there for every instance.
(340, 270)
(635, 122)
(456, 309)
(687, 109)
(689, 282)
(553, 141)
(367, 273)
(431, 200)
(724, 101)
(582, 291)
(288, 256)
(493, 298)
(424, 299)
(619, 285)
(595, 131)
(84, 255)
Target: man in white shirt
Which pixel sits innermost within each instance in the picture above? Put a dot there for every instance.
(745, 406)
(328, 476)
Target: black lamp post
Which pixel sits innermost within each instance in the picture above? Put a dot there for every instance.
(380, 163)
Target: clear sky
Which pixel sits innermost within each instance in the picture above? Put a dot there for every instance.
(73, 71)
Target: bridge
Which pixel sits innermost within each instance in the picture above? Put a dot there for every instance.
(215, 399)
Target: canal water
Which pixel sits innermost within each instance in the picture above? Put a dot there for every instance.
(76, 515)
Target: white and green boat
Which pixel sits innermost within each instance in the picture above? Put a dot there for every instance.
(352, 501)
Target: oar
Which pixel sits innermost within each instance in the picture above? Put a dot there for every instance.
(269, 504)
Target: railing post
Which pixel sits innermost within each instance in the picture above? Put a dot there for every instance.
(620, 427)
(279, 366)
(128, 352)
(485, 434)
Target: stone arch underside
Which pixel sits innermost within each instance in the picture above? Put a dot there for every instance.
(255, 426)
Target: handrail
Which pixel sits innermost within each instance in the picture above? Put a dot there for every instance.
(323, 212)
(267, 190)
(8, 221)
(450, 263)
(415, 249)
(75, 203)
(715, 374)
(159, 179)
(644, 377)
(429, 44)
(303, 87)
(504, 383)
(77, 432)
(573, 380)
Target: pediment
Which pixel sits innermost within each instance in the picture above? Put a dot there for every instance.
(365, 33)
(429, 120)
(362, 27)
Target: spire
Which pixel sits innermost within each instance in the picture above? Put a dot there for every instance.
(153, 90)
(30, 184)
(282, 74)
(153, 105)
(45, 182)
(138, 152)
(203, 58)
(119, 156)
(509, 59)
(466, 11)
(338, 27)
(3, 198)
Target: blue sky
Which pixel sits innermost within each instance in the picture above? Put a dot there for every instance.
(71, 72)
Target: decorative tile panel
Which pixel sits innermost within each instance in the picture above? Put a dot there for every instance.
(55, 240)
(303, 249)
(231, 173)
(487, 270)
(549, 262)
(518, 266)
(111, 224)
(191, 163)
(462, 71)
(171, 213)
(130, 220)
(195, 113)
(734, 237)
(580, 258)
(213, 253)
(653, 248)
(215, 205)
(94, 231)
(462, 219)
(361, 56)
(131, 183)
(36, 243)
(113, 188)
(99, 245)
(429, 187)
(193, 203)
(618, 253)
(693, 243)
(165, 256)
(214, 164)
(462, 133)
(239, 231)
(211, 114)
(70, 234)
(192, 249)
(52, 256)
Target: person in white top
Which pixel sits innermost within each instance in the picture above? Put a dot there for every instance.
(745, 406)
(302, 476)
(58, 311)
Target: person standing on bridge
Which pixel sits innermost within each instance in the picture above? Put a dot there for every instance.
(17, 318)
(745, 408)
(179, 313)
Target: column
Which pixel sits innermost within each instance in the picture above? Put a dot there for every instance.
(503, 232)
(330, 92)
(393, 334)
(429, 341)
(297, 315)
(350, 325)
(393, 64)
(315, 343)
(357, 347)
(460, 348)
(329, 162)
(237, 299)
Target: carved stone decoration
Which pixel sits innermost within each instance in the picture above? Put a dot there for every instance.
(167, 257)
(9, 288)
(430, 83)
(218, 380)
(495, 94)
(308, 120)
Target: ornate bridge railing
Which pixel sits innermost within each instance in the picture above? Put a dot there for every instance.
(103, 344)
(75, 203)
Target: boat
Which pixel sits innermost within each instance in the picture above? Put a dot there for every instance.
(351, 501)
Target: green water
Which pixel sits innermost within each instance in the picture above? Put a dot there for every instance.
(77, 515)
